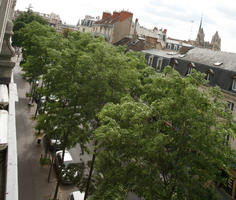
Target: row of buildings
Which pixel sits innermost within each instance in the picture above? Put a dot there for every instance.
(119, 28)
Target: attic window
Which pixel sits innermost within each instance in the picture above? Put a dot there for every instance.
(218, 63)
(150, 60)
(234, 84)
(210, 72)
(190, 68)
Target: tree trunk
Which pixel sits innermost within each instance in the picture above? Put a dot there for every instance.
(56, 191)
(50, 170)
(90, 172)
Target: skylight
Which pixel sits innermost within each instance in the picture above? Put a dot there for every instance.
(218, 63)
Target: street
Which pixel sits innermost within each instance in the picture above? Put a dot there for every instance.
(32, 176)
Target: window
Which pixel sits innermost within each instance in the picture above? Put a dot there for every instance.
(175, 47)
(150, 60)
(159, 64)
(230, 105)
(190, 68)
(208, 77)
(168, 46)
(234, 85)
(175, 63)
(210, 73)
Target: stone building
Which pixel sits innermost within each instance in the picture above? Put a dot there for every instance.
(8, 150)
(219, 69)
(87, 24)
(215, 43)
(114, 27)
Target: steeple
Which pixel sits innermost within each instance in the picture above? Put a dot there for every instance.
(200, 26)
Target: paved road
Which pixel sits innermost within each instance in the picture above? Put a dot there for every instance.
(32, 176)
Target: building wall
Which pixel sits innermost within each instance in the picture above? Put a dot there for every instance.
(121, 30)
(6, 64)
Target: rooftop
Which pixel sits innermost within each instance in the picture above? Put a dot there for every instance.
(166, 54)
(216, 59)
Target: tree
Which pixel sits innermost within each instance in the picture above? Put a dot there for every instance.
(87, 74)
(20, 22)
(170, 144)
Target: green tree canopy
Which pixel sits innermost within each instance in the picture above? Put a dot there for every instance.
(169, 145)
(20, 22)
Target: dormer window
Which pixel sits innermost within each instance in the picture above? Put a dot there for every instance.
(234, 84)
(159, 64)
(230, 105)
(190, 68)
(150, 60)
(210, 73)
(175, 63)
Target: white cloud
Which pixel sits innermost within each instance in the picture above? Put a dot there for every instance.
(171, 14)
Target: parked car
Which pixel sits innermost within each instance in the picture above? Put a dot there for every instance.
(51, 143)
(68, 171)
(77, 195)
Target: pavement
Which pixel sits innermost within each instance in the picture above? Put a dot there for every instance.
(32, 176)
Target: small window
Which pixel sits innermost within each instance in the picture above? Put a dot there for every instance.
(190, 68)
(159, 64)
(234, 85)
(175, 63)
(210, 73)
(230, 105)
(150, 60)
(218, 63)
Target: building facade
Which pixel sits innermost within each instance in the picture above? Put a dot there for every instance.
(114, 27)
(86, 24)
(8, 150)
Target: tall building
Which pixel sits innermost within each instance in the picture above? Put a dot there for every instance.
(215, 43)
(8, 150)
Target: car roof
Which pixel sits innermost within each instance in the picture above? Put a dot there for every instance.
(67, 156)
(78, 195)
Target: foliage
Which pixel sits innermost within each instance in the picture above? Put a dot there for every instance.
(169, 145)
(20, 22)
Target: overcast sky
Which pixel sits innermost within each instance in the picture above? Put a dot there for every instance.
(181, 18)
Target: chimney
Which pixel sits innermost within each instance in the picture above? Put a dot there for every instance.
(115, 14)
(165, 31)
(125, 14)
(105, 15)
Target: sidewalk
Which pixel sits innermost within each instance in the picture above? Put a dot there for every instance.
(32, 176)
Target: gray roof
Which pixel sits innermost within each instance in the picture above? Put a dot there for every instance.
(165, 54)
(209, 57)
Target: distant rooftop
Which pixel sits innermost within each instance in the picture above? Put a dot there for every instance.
(219, 59)
(166, 54)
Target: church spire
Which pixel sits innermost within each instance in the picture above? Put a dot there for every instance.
(200, 26)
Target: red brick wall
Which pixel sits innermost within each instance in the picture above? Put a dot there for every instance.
(124, 15)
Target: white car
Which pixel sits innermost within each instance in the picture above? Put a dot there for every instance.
(68, 171)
